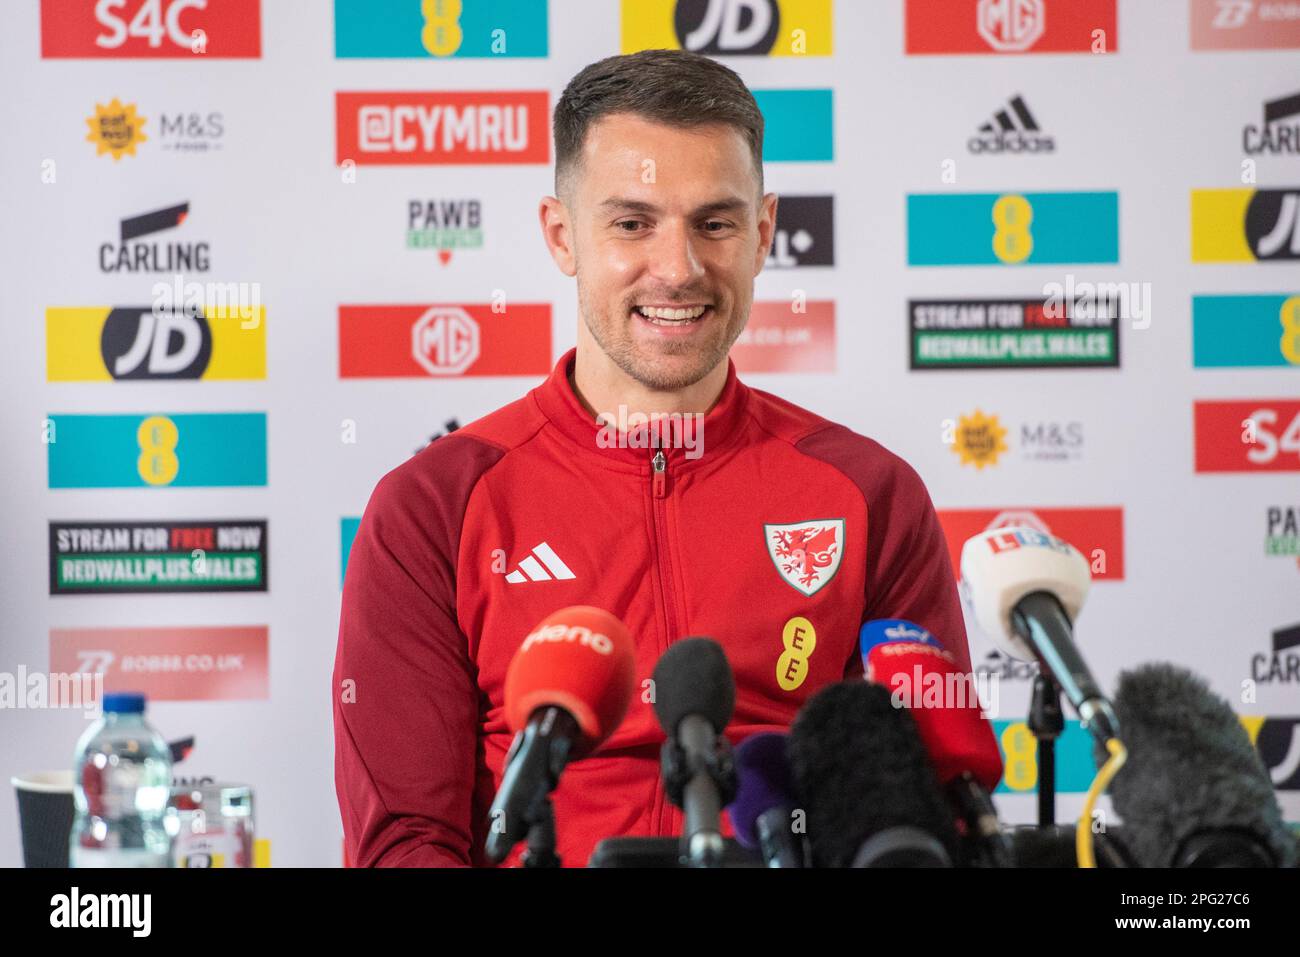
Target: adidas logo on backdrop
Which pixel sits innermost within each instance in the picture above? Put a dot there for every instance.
(1013, 129)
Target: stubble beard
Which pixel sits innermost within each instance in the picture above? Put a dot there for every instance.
(615, 341)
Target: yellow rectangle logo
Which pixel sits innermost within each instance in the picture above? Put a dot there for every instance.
(729, 27)
(103, 343)
(1219, 226)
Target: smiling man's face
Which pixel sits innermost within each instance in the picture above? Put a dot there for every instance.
(667, 232)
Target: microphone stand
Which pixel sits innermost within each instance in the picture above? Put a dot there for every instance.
(1046, 721)
(701, 789)
(541, 834)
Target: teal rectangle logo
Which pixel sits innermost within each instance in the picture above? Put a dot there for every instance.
(347, 532)
(1012, 229)
(1237, 331)
(1074, 764)
(185, 450)
(401, 29)
(798, 125)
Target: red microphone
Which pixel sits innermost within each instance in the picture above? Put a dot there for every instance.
(924, 677)
(567, 690)
(944, 705)
(579, 659)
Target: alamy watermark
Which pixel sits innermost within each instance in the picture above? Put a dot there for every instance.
(652, 430)
(241, 300)
(38, 690)
(1102, 302)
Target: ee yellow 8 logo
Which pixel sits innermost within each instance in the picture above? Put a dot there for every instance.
(1012, 240)
(157, 437)
(441, 35)
(1021, 749)
(1289, 315)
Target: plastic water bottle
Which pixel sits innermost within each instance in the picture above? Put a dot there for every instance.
(122, 783)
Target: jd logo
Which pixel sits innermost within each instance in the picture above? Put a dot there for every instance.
(138, 343)
(1272, 224)
(727, 26)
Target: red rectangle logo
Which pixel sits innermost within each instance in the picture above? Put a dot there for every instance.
(434, 128)
(381, 342)
(782, 337)
(1011, 26)
(169, 664)
(1245, 24)
(1096, 532)
(1248, 435)
(221, 29)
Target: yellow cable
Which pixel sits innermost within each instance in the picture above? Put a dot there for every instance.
(1083, 831)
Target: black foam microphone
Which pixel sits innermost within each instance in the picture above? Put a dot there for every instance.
(1194, 792)
(863, 776)
(695, 695)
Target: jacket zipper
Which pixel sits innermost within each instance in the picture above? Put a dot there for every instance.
(659, 492)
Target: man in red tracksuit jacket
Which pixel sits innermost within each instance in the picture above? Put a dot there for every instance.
(770, 529)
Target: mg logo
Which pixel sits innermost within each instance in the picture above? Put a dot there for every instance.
(445, 341)
(1011, 26)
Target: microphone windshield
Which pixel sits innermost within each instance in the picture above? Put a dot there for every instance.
(1191, 767)
(764, 784)
(693, 677)
(580, 659)
(859, 768)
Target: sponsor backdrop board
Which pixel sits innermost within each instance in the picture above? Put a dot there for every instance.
(259, 253)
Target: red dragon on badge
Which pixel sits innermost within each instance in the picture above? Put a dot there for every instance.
(806, 551)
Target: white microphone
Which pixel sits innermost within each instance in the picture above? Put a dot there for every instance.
(1025, 588)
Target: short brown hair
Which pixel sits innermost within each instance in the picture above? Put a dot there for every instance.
(666, 86)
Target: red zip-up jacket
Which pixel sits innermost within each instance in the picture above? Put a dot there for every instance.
(778, 541)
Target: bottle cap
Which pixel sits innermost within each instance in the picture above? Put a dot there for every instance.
(124, 702)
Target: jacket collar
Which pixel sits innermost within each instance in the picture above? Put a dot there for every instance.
(636, 447)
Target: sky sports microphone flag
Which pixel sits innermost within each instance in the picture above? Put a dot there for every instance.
(944, 702)
(567, 690)
(924, 677)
